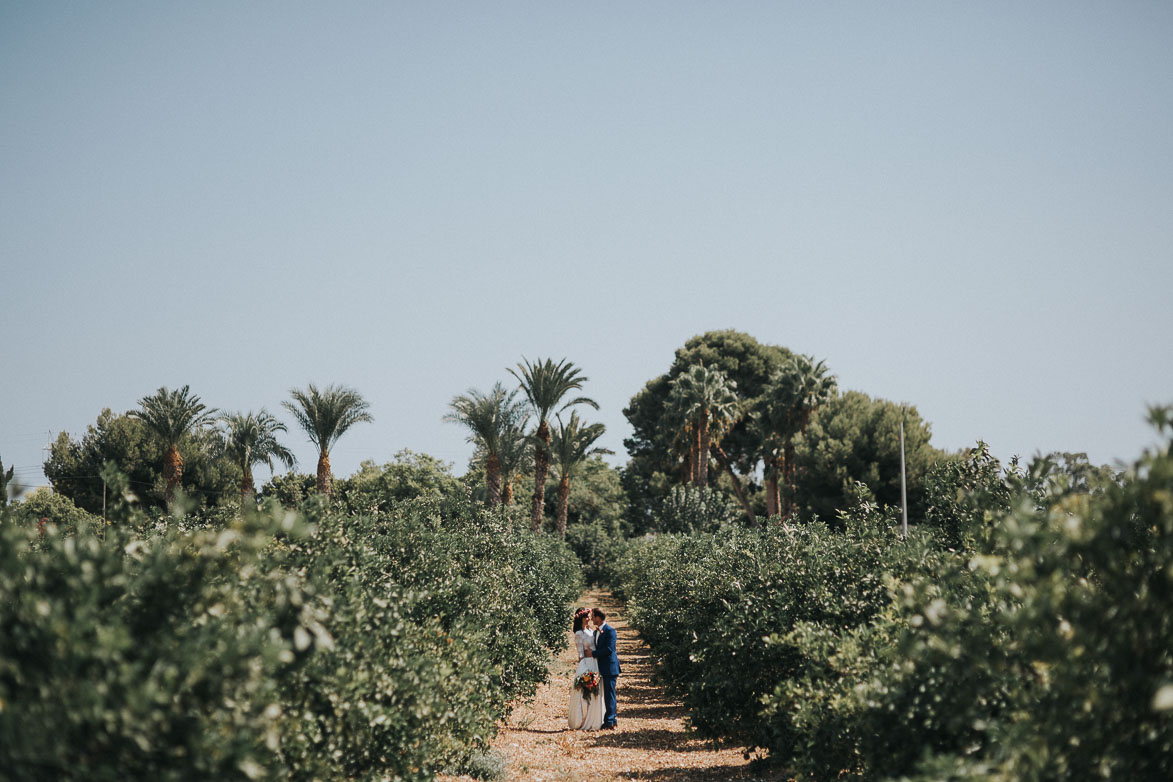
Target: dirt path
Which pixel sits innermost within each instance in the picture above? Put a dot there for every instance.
(650, 742)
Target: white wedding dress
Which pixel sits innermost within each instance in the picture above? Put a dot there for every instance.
(585, 713)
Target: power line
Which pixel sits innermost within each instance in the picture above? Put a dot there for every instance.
(132, 482)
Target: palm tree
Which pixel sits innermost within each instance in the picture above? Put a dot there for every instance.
(770, 420)
(171, 415)
(545, 384)
(677, 418)
(325, 416)
(709, 406)
(490, 418)
(571, 445)
(251, 438)
(516, 457)
(795, 391)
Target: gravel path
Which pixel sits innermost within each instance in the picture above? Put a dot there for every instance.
(651, 742)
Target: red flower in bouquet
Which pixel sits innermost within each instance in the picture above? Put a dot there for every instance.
(587, 684)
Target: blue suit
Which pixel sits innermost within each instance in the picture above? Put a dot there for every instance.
(609, 670)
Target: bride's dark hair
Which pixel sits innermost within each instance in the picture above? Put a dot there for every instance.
(580, 616)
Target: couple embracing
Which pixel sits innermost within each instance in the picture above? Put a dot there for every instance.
(592, 699)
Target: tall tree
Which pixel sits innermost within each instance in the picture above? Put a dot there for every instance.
(795, 392)
(170, 416)
(74, 466)
(545, 384)
(572, 444)
(708, 404)
(326, 415)
(654, 462)
(251, 438)
(491, 418)
(855, 438)
(516, 457)
(5, 477)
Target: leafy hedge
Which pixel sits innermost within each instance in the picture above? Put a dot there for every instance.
(599, 546)
(327, 646)
(443, 614)
(709, 604)
(1025, 633)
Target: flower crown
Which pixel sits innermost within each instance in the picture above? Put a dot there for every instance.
(581, 612)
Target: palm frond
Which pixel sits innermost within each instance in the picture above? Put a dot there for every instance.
(251, 438)
(700, 391)
(327, 414)
(794, 392)
(545, 383)
(171, 415)
(571, 443)
(489, 417)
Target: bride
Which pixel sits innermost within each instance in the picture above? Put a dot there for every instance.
(586, 709)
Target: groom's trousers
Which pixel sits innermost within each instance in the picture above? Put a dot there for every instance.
(609, 705)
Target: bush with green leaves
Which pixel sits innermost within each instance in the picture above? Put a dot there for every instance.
(43, 507)
(443, 614)
(966, 494)
(373, 646)
(128, 656)
(863, 704)
(708, 603)
(599, 546)
(1027, 634)
(696, 509)
(1079, 619)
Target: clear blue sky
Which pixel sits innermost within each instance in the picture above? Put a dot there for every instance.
(968, 207)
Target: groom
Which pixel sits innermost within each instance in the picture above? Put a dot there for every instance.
(608, 661)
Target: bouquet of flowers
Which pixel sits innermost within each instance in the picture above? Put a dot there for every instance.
(587, 684)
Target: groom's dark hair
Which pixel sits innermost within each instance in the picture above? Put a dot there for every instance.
(600, 613)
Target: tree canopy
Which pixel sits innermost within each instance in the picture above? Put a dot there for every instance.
(748, 365)
(545, 385)
(74, 466)
(172, 415)
(251, 438)
(573, 442)
(855, 438)
(494, 421)
(325, 415)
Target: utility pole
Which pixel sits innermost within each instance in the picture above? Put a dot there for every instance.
(903, 484)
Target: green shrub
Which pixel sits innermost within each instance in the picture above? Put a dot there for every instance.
(43, 508)
(444, 614)
(355, 646)
(694, 509)
(1084, 617)
(709, 603)
(967, 494)
(866, 703)
(1026, 633)
(599, 546)
(142, 657)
